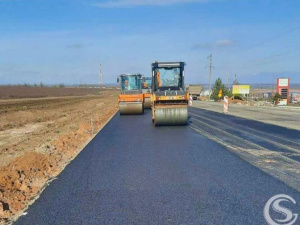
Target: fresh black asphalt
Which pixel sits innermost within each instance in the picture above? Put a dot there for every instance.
(135, 173)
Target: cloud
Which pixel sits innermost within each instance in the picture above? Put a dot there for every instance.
(224, 43)
(132, 3)
(214, 45)
(75, 46)
(201, 46)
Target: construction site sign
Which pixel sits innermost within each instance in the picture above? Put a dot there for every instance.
(240, 89)
(220, 93)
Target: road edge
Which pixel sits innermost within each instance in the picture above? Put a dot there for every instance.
(31, 202)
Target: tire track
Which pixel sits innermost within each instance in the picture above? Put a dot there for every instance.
(243, 131)
(272, 162)
(225, 120)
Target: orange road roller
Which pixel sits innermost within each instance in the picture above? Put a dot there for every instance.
(131, 98)
(169, 97)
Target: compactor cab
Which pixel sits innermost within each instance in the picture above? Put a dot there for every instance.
(169, 97)
(146, 88)
(131, 98)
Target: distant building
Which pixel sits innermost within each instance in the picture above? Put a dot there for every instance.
(295, 97)
(205, 93)
(267, 95)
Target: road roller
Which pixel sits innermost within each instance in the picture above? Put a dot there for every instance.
(146, 88)
(131, 98)
(169, 97)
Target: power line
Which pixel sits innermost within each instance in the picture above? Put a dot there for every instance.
(270, 39)
(278, 36)
(264, 61)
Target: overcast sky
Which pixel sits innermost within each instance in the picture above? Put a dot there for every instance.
(64, 41)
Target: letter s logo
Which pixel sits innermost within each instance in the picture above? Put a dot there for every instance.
(274, 202)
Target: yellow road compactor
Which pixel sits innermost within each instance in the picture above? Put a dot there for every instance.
(169, 97)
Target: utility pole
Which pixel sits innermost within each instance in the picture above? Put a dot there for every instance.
(235, 82)
(273, 85)
(210, 73)
(228, 75)
(227, 81)
(100, 76)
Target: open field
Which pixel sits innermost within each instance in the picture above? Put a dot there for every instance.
(8, 92)
(39, 137)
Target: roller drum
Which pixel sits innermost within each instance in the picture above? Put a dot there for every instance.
(147, 103)
(131, 108)
(171, 116)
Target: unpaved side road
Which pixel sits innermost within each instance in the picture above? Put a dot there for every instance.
(39, 137)
(288, 117)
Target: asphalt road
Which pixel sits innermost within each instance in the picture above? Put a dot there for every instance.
(286, 116)
(135, 173)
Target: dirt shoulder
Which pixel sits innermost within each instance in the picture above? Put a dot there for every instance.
(38, 137)
(281, 116)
